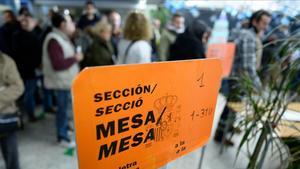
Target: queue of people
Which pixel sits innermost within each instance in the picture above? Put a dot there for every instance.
(62, 48)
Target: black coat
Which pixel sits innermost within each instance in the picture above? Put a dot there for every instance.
(99, 53)
(186, 47)
(6, 35)
(27, 53)
(85, 22)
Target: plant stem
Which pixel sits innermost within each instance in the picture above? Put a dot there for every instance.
(257, 150)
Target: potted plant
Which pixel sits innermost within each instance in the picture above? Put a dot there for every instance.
(266, 105)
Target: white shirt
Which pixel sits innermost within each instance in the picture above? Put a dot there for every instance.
(139, 52)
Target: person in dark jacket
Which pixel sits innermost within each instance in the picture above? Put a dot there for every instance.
(26, 47)
(10, 26)
(90, 17)
(190, 44)
(101, 51)
(169, 35)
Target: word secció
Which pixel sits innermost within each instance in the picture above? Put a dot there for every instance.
(118, 107)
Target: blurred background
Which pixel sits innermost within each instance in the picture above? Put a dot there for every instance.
(42, 38)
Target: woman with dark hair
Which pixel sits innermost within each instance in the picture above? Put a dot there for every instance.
(190, 44)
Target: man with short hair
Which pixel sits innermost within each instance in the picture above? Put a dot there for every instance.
(249, 46)
(169, 35)
(114, 19)
(60, 66)
(27, 55)
(248, 53)
(90, 17)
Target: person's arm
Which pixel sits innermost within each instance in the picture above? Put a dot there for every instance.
(88, 57)
(15, 46)
(57, 58)
(196, 50)
(15, 87)
(163, 47)
(249, 60)
(37, 53)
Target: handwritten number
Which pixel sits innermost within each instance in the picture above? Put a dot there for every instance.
(200, 80)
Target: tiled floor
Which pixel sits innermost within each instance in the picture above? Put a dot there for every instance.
(38, 150)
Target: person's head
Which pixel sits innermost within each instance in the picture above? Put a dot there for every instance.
(178, 21)
(199, 30)
(156, 23)
(24, 11)
(137, 27)
(9, 16)
(90, 8)
(103, 29)
(24, 22)
(64, 23)
(27, 22)
(50, 13)
(114, 19)
(260, 20)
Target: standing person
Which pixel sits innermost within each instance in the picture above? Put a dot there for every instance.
(27, 54)
(169, 35)
(47, 28)
(11, 88)
(190, 44)
(248, 42)
(135, 47)
(114, 19)
(60, 66)
(101, 51)
(156, 38)
(10, 26)
(48, 95)
(245, 63)
(89, 17)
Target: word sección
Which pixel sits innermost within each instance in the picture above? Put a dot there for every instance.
(116, 94)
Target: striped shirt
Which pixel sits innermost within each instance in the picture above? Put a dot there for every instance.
(245, 58)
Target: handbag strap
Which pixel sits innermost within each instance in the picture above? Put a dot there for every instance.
(127, 50)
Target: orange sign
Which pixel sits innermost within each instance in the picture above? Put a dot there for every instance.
(225, 52)
(143, 116)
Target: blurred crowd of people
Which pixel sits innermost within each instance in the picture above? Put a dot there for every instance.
(45, 59)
